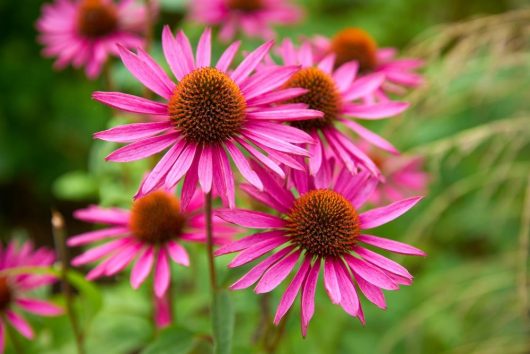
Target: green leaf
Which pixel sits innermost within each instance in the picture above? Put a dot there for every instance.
(75, 185)
(223, 323)
(171, 340)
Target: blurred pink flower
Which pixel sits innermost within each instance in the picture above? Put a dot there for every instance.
(85, 32)
(14, 289)
(151, 232)
(253, 17)
(212, 114)
(336, 93)
(356, 44)
(319, 223)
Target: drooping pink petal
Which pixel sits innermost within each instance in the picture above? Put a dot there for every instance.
(308, 296)
(349, 300)
(243, 165)
(162, 276)
(257, 250)
(382, 262)
(277, 273)
(331, 282)
(98, 252)
(177, 253)
(363, 86)
(162, 168)
(143, 148)
(205, 169)
(251, 62)
(19, 323)
(370, 273)
(379, 216)
(391, 245)
(181, 165)
(255, 273)
(130, 103)
(162, 311)
(247, 242)
(142, 267)
(315, 154)
(96, 214)
(262, 158)
(224, 180)
(92, 236)
(292, 290)
(249, 218)
(204, 49)
(371, 137)
(375, 111)
(39, 307)
(131, 132)
(372, 292)
(285, 132)
(122, 258)
(189, 186)
(274, 143)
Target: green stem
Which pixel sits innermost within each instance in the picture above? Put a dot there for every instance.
(12, 336)
(211, 261)
(59, 235)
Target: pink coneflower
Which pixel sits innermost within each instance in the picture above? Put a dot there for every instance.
(211, 114)
(85, 32)
(319, 224)
(253, 17)
(336, 94)
(356, 44)
(14, 288)
(151, 232)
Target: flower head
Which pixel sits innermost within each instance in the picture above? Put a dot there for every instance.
(151, 232)
(85, 32)
(356, 44)
(211, 114)
(319, 223)
(253, 17)
(336, 92)
(14, 288)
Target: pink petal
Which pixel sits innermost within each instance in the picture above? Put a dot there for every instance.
(177, 253)
(391, 245)
(204, 49)
(98, 235)
(186, 52)
(371, 137)
(277, 273)
(260, 139)
(375, 111)
(308, 296)
(247, 242)
(379, 216)
(370, 273)
(96, 214)
(181, 166)
(131, 132)
(143, 148)
(251, 62)
(284, 132)
(224, 178)
(382, 262)
(269, 82)
(285, 114)
(98, 252)
(331, 282)
(243, 165)
(349, 300)
(142, 268)
(250, 219)
(20, 324)
(255, 273)
(326, 64)
(122, 258)
(277, 96)
(256, 251)
(363, 86)
(226, 59)
(204, 170)
(292, 290)
(372, 292)
(189, 186)
(162, 168)
(162, 311)
(39, 307)
(344, 75)
(173, 55)
(130, 103)
(262, 158)
(315, 154)
(162, 277)
(157, 72)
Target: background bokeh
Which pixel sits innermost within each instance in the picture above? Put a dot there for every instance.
(471, 122)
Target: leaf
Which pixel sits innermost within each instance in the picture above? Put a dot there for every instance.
(75, 185)
(223, 323)
(171, 340)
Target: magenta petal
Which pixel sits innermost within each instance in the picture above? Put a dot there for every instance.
(292, 290)
(382, 262)
(371, 137)
(376, 111)
(261, 139)
(157, 73)
(122, 258)
(315, 154)
(162, 311)
(308, 296)
(363, 87)
(277, 273)
(331, 282)
(96, 214)
(204, 49)
(162, 168)
(284, 132)
(181, 165)
(224, 178)
(98, 252)
(92, 236)
(131, 132)
(372, 292)
(256, 251)
(247, 242)
(255, 273)
(251, 62)
(189, 186)
(243, 165)
(162, 276)
(143, 148)
(205, 169)
(130, 103)
(391, 245)
(344, 75)
(39, 307)
(20, 324)
(379, 216)
(262, 158)
(326, 64)
(349, 300)
(177, 253)
(288, 114)
(142, 267)
(277, 96)
(186, 52)
(172, 53)
(249, 218)
(228, 56)
(370, 273)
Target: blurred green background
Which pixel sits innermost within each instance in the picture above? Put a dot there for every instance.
(471, 121)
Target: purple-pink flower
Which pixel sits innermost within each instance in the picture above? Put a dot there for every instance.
(336, 93)
(15, 288)
(318, 223)
(254, 18)
(211, 115)
(85, 32)
(356, 44)
(148, 235)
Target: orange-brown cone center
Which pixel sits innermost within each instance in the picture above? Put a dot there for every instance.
(324, 223)
(96, 18)
(157, 218)
(355, 44)
(245, 5)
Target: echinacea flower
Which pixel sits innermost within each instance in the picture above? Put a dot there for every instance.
(151, 232)
(252, 17)
(319, 224)
(211, 114)
(15, 288)
(336, 94)
(85, 32)
(356, 44)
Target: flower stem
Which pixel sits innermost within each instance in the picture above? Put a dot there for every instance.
(17, 348)
(209, 243)
(59, 235)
